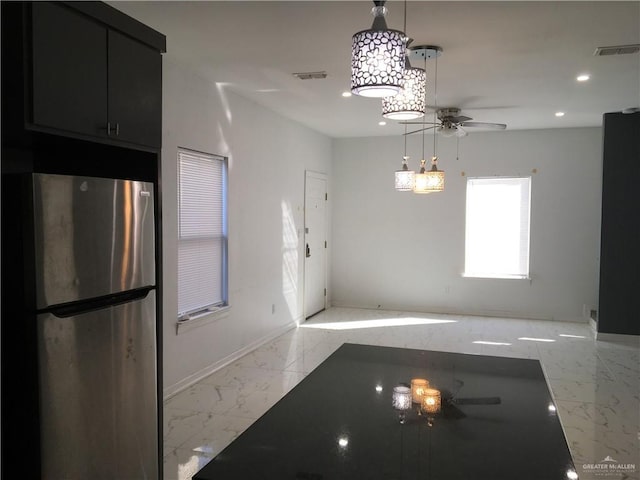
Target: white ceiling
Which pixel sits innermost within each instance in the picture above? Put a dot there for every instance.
(508, 62)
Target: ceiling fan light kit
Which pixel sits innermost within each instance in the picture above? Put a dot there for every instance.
(378, 58)
(451, 130)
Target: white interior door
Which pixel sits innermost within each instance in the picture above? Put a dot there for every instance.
(315, 245)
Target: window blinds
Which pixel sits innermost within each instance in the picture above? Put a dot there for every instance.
(202, 238)
(497, 227)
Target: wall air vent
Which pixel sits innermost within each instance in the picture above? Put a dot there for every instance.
(310, 75)
(617, 50)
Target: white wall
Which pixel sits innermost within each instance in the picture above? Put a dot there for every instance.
(404, 251)
(268, 156)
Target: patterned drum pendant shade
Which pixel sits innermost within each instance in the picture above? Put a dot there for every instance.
(409, 104)
(378, 58)
(405, 178)
(429, 181)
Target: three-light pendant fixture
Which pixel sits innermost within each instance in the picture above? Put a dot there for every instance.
(380, 67)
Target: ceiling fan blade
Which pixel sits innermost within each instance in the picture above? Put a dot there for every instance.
(496, 126)
(416, 131)
(417, 123)
(459, 119)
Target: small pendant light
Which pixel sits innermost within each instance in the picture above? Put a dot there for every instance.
(433, 180)
(405, 178)
(421, 180)
(378, 58)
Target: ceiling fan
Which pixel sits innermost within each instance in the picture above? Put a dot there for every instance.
(451, 123)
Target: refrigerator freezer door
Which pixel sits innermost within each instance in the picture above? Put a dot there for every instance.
(93, 237)
(98, 393)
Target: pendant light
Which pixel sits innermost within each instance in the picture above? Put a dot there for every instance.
(378, 58)
(421, 184)
(409, 103)
(405, 178)
(432, 180)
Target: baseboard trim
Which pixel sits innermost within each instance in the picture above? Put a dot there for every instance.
(473, 313)
(186, 382)
(633, 340)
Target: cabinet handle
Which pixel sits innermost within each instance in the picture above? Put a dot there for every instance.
(117, 129)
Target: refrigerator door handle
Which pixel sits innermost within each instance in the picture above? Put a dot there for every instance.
(77, 308)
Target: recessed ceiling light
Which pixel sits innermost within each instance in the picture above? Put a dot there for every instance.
(583, 78)
(559, 114)
(346, 94)
(382, 123)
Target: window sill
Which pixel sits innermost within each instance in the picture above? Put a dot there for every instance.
(497, 277)
(202, 319)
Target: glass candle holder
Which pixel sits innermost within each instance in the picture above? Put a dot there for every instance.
(418, 386)
(401, 397)
(431, 401)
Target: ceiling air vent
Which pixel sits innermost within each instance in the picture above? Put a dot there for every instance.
(310, 75)
(617, 50)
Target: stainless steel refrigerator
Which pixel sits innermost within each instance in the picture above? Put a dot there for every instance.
(96, 324)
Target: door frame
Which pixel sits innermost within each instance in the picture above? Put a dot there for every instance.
(319, 176)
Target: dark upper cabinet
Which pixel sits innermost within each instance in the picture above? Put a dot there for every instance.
(135, 91)
(91, 80)
(69, 65)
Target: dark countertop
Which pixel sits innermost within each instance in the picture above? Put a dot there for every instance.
(303, 435)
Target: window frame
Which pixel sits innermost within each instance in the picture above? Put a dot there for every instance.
(524, 241)
(196, 315)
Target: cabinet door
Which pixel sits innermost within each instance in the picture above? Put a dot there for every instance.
(135, 90)
(69, 67)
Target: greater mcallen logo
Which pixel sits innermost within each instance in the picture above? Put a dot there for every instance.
(609, 466)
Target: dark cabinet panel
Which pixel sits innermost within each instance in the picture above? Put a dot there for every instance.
(135, 90)
(91, 80)
(69, 65)
(620, 237)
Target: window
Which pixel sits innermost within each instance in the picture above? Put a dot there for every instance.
(202, 233)
(497, 227)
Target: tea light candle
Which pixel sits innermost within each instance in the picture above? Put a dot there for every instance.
(418, 386)
(431, 401)
(401, 398)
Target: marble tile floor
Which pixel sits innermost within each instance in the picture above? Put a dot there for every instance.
(595, 384)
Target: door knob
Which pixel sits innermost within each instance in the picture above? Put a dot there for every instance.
(308, 254)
